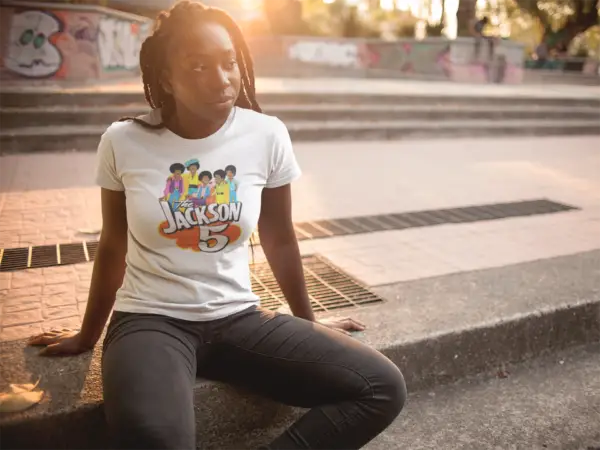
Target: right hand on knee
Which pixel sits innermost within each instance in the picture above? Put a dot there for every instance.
(61, 342)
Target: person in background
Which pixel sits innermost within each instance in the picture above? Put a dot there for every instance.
(478, 32)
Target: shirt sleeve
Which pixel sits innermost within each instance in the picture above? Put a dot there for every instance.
(284, 168)
(106, 171)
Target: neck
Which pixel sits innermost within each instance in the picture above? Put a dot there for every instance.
(191, 126)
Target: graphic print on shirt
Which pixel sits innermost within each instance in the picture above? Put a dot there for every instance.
(201, 208)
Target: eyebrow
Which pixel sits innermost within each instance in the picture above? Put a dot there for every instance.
(194, 54)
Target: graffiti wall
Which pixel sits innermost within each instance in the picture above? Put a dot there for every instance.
(70, 43)
(430, 58)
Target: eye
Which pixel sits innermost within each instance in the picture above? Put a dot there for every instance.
(39, 40)
(26, 37)
(229, 65)
(199, 67)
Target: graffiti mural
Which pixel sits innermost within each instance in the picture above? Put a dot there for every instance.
(330, 53)
(119, 43)
(67, 44)
(31, 51)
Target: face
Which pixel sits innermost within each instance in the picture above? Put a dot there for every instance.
(192, 168)
(205, 179)
(229, 174)
(30, 53)
(177, 173)
(203, 75)
(218, 179)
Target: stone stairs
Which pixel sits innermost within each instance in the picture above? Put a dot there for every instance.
(38, 121)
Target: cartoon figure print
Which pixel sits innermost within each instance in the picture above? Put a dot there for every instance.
(230, 171)
(221, 187)
(205, 195)
(191, 178)
(201, 209)
(175, 187)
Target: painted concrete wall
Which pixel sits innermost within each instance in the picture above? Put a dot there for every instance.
(68, 42)
(430, 58)
(51, 42)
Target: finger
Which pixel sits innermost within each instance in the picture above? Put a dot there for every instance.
(353, 324)
(343, 331)
(38, 339)
(45, 340)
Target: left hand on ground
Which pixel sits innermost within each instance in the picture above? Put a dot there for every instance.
(343, 325)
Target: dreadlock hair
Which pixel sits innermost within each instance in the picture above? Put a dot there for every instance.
(153, 55)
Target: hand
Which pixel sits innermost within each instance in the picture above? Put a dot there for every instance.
(61, 342)
(344, 325)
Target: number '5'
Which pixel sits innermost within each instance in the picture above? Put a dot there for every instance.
(208, 234)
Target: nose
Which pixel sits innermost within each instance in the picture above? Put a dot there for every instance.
(221, 79)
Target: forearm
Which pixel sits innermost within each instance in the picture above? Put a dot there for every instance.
(286, 263)
(107, 277)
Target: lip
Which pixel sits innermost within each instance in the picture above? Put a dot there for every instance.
(222, 101)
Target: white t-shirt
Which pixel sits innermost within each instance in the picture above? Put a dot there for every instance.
(187, 250)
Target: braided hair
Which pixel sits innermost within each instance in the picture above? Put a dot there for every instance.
(153, 55)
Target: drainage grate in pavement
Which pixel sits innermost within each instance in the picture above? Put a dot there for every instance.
(383, 222)
(61, 254)
(328, 287)
(46, 255)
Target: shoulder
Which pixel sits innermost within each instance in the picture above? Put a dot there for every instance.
(126, 128)
(262, 123)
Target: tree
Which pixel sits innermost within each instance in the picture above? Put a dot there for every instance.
(465, 16)
(562, 20)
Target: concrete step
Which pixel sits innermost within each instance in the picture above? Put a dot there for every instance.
(54, 97)
(86, 137)
(437, 330)
(19, 117)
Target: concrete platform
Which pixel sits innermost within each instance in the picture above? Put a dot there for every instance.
(437, 330)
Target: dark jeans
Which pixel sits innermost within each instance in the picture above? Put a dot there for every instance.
(150, 363)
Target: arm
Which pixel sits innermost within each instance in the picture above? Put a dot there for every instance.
(107, 276)
(278, 240)
(109, 266)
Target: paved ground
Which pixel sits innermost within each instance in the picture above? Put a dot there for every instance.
(46, 199)
(370, 86)
(551, 403)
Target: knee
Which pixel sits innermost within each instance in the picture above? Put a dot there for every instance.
(139, 430)
(389, 390)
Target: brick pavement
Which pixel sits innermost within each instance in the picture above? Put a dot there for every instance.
(408, 176)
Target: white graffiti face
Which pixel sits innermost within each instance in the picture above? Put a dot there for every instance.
(30, 53)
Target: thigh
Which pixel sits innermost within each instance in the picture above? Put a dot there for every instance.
(148, 373)
(296, 362)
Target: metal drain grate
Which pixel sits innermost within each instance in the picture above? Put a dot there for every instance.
(61, 254)
(383, 222)
(328, 287)
(46, 255)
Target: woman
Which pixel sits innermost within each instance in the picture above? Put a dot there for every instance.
(185, 308)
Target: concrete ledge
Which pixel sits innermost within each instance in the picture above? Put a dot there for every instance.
(437, 330)
(86, 137)
(57, 116)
